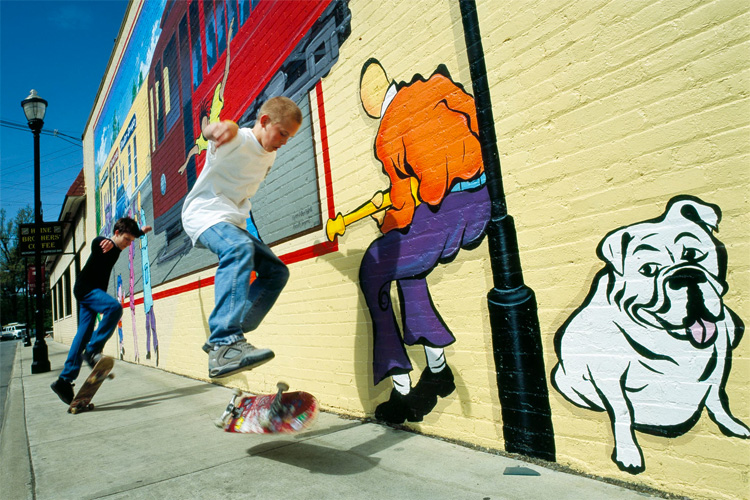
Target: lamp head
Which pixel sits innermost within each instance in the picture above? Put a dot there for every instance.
(34, 107)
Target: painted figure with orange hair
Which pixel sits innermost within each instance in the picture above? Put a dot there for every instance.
(428, 145)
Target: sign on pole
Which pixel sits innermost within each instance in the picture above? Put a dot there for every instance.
(51, 238)
(31, 280)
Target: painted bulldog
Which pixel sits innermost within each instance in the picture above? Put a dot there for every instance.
(652, 342)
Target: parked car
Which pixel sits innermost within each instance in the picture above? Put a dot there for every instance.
(13, 331)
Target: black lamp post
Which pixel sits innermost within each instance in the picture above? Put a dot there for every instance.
(34, 107)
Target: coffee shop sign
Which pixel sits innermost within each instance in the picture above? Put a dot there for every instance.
(51, 238)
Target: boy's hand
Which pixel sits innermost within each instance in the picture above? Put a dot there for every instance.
(220, 132)
(106, 245)
(146, 229)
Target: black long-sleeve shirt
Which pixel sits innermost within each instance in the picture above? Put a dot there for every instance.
(96, 271)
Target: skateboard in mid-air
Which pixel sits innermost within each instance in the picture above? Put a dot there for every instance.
(82, 400)
(283, 412)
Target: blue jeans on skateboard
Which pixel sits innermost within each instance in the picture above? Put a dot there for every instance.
(240, 306)
(92, 341)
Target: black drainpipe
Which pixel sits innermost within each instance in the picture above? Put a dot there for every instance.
(516, 338)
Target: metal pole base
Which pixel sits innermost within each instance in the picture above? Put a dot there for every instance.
(41, 358)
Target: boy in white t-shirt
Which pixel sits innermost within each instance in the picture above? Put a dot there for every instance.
(214, 216)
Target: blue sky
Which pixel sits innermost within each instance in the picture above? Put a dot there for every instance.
(61, 49)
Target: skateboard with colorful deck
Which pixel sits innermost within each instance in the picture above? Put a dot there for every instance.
(283, 412)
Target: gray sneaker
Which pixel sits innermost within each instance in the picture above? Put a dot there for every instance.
(92, 359)
(229, 359)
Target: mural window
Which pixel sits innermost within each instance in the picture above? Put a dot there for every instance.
(171, 84)
(221, 26)
(232, 15)
(130, 162)
(210, 23)
(152, 118)
(244, 10)
(135, 163)
(293, 177)
(165, 79)
(159, 105)
(68, 300)
(195, 38)
(185, 63)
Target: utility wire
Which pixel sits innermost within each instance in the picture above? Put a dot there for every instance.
(54, 132)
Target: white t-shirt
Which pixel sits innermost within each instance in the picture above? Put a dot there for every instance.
(231, 175)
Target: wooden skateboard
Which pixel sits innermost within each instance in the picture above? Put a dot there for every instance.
(82, 400)
(283, 412)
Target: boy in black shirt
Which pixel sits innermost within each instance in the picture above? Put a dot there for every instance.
(90, 291)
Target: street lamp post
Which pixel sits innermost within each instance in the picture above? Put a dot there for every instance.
(35, 107)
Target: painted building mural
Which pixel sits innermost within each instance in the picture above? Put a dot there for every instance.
(623, 141)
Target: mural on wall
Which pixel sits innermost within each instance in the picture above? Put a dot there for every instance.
(189, 82)
(148, 298)
(436, 204)
(175, 71)
(652, 342)
(121, 299)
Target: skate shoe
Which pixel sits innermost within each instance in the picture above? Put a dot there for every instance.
(92, 359)
(226, 360)
(63, 389)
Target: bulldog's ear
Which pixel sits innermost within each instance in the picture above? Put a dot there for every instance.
(613, 249)
(695, 210)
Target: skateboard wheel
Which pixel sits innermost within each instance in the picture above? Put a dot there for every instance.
(111, 376)
(237, 392)
(90, 406)
(219, 423)
(73, 410)
(283, 386)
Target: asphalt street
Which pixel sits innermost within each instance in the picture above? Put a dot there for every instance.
(7, 353)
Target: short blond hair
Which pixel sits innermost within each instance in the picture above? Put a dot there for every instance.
(281, 109)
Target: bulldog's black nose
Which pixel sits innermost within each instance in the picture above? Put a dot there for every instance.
(684, 278)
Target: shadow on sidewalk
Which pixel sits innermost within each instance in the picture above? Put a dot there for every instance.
(154, 399)
(319, 459)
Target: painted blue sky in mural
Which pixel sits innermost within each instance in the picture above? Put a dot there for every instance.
(61, 50)
(131, 75)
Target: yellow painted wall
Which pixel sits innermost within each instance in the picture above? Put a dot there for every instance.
(603, 111)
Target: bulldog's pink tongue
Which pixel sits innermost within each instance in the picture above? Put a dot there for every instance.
(702, 332)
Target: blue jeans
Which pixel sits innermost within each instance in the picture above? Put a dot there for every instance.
(239, 305)
(95, 302)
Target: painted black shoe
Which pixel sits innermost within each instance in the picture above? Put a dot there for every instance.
(227, 360)
(63, 389)
(423, 398)
(396, 410)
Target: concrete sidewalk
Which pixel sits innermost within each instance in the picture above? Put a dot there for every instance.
(152, 436)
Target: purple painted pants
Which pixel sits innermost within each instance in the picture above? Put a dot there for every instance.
(435, 236)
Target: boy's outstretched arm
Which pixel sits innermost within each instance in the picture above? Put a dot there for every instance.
(220, 132)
